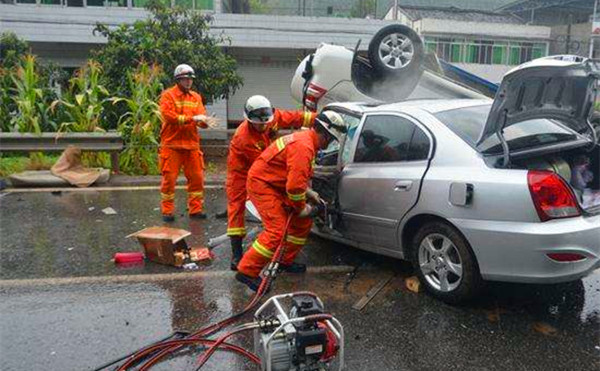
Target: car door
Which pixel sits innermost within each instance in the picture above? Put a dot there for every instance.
(381, 182)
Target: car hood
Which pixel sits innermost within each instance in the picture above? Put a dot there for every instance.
(558, 87)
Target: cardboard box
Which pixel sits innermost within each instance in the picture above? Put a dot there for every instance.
(161, 244)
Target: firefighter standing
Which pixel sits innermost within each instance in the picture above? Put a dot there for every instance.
(182, 113)
(278, 184)
(251, 138)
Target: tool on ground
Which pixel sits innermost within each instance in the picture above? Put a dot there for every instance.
(304, 338)
(219, 240)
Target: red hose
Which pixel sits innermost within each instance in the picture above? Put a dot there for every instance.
(211, 329)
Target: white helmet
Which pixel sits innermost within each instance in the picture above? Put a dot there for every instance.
(333, 123)
(184, 70)
(258, 110)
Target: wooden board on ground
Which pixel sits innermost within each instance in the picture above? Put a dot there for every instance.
(362, 302)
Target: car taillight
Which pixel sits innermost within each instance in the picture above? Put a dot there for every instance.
(313, 93)
(552, 197)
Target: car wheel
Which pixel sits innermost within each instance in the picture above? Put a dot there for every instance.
(445, 263)
(395, 49)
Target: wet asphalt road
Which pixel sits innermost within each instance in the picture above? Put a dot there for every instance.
(65, 306)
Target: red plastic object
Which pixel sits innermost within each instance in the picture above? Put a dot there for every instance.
(128, 257)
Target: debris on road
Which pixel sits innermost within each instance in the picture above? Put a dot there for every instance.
(544, 329)
(201, 255)
(91, 208)
(128, 257)
(191, 266)
(359, 305)
(413, 284)
(494, 315)
(161, 243)
(109, 211)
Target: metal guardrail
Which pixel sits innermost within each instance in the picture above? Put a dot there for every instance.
(56, 142)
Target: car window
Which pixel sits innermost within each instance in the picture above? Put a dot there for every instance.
(419, 146)
(468, 122)
(388, 138)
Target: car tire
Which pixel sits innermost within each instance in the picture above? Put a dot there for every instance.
(445, 263)
(389, 50)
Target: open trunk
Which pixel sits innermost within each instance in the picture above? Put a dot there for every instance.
(579, 167)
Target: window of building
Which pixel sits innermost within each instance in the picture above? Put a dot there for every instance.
(457, 50)
(386, 138)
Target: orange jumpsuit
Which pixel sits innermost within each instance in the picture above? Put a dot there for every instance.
(180, 147)
(277, 184)
(245, 147)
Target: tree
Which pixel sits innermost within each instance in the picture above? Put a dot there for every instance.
(170, 37)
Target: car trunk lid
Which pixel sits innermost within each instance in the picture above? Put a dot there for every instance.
(562, 88)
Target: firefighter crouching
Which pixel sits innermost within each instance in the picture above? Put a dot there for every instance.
(182, 113)
(252, 137)
(278, 184)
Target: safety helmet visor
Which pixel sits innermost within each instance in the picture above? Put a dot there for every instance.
(260, 116)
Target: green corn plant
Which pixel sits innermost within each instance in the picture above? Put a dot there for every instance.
(83, 103)
(140, 125)
(28, 98)
(83, 107)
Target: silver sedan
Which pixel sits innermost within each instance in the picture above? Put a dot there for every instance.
(473, 189)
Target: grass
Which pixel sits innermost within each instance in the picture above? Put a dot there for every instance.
(16, 164)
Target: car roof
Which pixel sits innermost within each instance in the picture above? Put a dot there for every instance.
(429, 105)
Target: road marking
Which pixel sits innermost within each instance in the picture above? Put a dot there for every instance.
(97, 189)
(34, 282)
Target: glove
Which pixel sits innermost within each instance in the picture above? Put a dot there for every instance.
(313, 196)
(307, 212)
(210, 121)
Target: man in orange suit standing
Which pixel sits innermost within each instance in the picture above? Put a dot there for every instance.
(182, 113)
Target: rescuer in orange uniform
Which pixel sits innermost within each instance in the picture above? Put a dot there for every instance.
(251, 138)
(182, 113)
(278, 184)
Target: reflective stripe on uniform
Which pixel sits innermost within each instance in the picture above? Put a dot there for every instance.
(307, 116)
(196, 194)
(192, 104)
(280, 144)
(297, 197)
(167, 196)
(262, 250)
(236, 231)
(181, 119)
(295, 240)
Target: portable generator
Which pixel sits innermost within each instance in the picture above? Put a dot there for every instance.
(301, 338)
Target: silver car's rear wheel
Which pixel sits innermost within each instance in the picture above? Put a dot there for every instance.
(440, 262)
(396, 51)
(445, 263)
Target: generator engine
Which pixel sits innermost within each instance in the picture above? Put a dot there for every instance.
(301, 338)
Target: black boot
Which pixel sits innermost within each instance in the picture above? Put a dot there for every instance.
(252, 282)
(236, 251)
